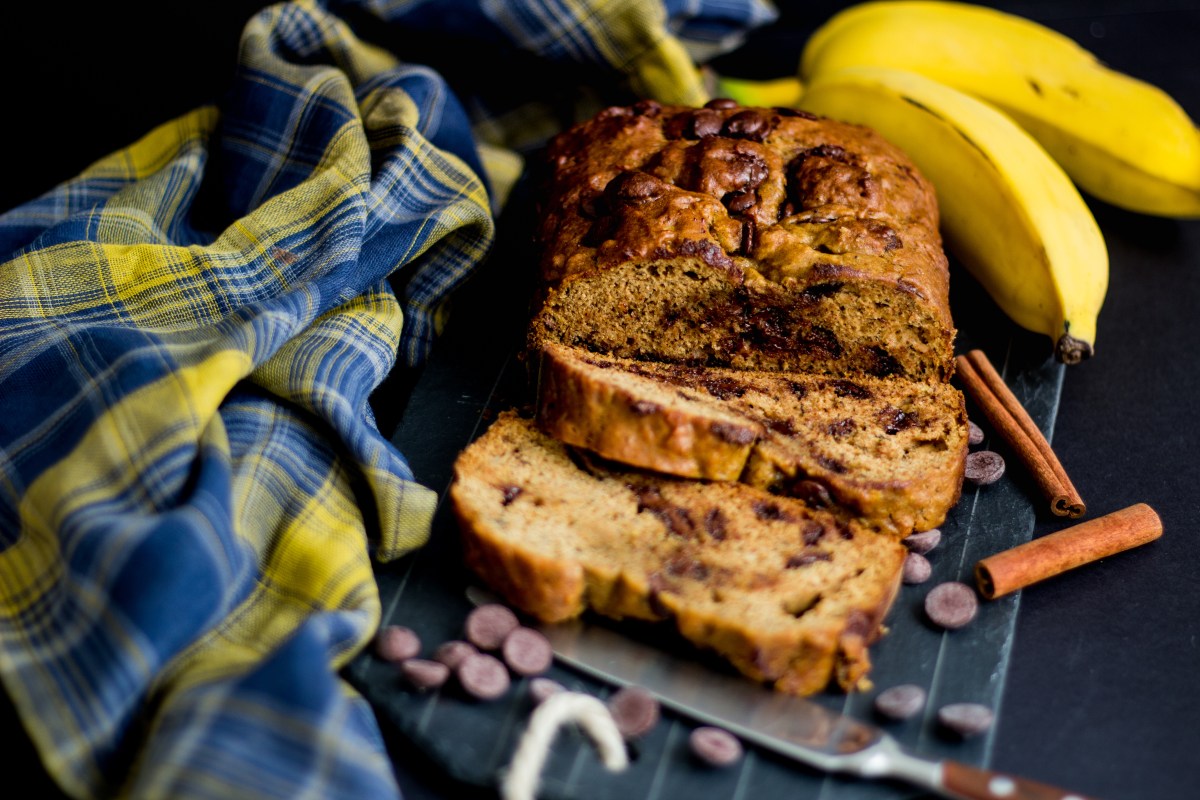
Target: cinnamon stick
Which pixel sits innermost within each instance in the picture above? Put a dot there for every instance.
(1053, 554)
(1010, 419)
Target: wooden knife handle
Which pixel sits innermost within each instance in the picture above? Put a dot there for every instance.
(972, 783)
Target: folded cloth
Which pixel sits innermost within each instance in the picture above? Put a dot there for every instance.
(192, 484)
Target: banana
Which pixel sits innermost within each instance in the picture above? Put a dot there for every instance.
(1120, 139)
(783, 91)
(1009, 213)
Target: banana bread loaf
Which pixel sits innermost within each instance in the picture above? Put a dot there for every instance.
(888, 451)
(788, 594)
(745, 237)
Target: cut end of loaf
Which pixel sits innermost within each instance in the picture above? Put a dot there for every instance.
(687, 312)
(787, 594)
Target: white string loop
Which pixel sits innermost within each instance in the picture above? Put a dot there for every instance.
(521, 779)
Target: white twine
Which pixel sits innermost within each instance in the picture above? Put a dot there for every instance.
(521, 780)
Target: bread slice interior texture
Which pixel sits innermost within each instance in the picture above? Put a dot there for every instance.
(890, 452)
(788, 594)
(684, 310)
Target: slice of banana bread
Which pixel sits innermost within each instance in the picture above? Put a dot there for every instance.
(787, 594)
(891, 452)
(746, 237)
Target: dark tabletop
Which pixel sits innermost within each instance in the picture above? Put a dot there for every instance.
(1101, 691)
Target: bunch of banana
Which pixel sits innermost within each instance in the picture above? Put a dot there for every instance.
(1009, 212)
(1007, 117)
(1121, 139)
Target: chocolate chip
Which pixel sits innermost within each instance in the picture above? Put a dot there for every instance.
(900, 702)
(833, 152)
(984, 467)
(769, 511)
(917, 568)
(423, 674)
(452, 653)
(749, 237)
(966, 719)
(635, 711)
(482, 676)
(527, 652)
(951, 605)
(733, 433)
(974, 433)
(813, 493)
(812, 533)
(785, 111)
(923, 542)
(647, 108)
(804, 559)
(702, 124)
(540, 689)
(396, 643)
(721, 102)
(487, 625)
(750, 124)
(715, 524)
(715, 746)
(737, 202)
(894, 420)
(841, 387)
(633, 188)
(842, 427)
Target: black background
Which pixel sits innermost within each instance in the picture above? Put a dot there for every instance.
(1102, 692)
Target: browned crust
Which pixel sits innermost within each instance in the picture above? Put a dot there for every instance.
(826, 196)
(553, 589)
(578, 405)
(607, 419)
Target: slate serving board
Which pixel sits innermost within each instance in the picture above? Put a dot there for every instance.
(476, 371)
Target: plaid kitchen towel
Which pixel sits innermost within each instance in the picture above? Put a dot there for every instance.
(192, 485)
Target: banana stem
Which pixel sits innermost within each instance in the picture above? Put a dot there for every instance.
(1070, 350)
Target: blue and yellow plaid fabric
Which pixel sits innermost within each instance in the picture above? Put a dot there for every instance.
(192, 484)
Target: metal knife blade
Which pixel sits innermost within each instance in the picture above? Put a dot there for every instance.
(790, 726)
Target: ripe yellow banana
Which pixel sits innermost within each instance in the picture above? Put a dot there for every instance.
(1120, 139)
(1008, 211)
(783, 91)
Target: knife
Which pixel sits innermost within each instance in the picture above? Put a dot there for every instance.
(785, 724)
